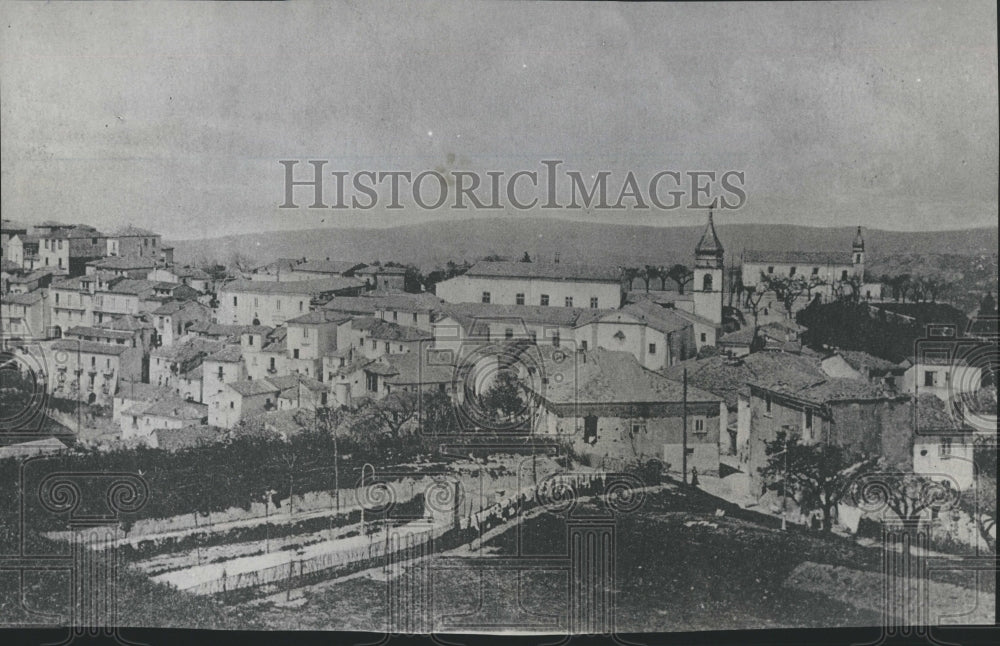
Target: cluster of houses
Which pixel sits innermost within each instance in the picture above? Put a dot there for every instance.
(623, 374)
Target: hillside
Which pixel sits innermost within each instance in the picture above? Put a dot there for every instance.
(430, 244)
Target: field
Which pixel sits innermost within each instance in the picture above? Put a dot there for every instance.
(679, 567)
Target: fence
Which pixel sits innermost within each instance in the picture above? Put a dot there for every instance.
(298, 572)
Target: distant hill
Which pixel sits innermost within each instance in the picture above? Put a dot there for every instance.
(430, 244)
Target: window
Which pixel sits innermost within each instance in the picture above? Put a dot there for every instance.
(250, 340)
(300, 306)
(295, 353)
(569, 301)
(414, 318)
(638, 427)
(843, 275)
(583, 345)
(57, 298)
(508, 333)
(277, 304)
(593, 302)
(371, 382)
(947, 377)
(929, 378)
(945, 447)
(387, 350)
(395, 316)
(767, 403)
(590, 429)
(699, 425)
(305, 333)
(519, 298)
(857, 257)
(232, 404)
(815, 271)
(706, 283)
(486, 297)
(555, 340)
(791, 272)
(809, 419)
(234, 301)
(374, 344)
(534, 336)
(652, 348)
(271, 365)
(770, 270)
(704, 337)
(544, 300)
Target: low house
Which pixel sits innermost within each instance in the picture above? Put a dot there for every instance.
(861, 365)
(375, 337)
(310, 336)
(25, 316)
(656, 336)
(862, 418)
(193, 277)
(944, 376)
(414, 310)
(174, 319)
(168, 363)
(318, 269)
(89, 371)
(44, 446)
(240, 400)
(22, 283)
(248, 302)
(127, 267)
(141, 420)
(612, 409)
(223, 366)
(943, 444)
(265, 352)
(299, 391)
(383, 279)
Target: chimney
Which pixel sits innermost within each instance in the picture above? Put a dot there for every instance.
(557, 258)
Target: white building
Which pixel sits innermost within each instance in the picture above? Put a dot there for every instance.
(249, 302)
(535, 283)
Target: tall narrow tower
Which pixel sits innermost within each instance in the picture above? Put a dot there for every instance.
(858, 253)
(708, 268)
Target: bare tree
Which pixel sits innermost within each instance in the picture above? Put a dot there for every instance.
(787, 289)
(680, 275)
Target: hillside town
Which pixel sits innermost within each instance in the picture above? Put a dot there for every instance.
(783, 385)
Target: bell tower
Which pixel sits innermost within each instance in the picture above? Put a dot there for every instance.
(708, 268)
(858, 253)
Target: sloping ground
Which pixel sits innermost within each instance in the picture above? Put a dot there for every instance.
(140, 602)
(678, 567)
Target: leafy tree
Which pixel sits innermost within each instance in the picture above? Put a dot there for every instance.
(754, 295)
(525, 257)
(817, 475)
(240, 262)
(495, 258)
(395, 411)
(504, 396)
(708, 351)
(680, 275)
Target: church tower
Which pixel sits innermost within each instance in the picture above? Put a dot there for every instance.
(858, 253)
(708, 268)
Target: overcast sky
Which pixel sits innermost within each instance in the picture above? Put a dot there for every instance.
(173, 116)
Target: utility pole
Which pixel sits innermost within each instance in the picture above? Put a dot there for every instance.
(684, 436)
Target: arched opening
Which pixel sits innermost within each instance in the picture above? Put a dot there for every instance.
(706, 283)
(91, 398)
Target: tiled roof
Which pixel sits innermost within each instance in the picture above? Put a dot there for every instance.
(606, 377)
(123, 262)
(286, 382)
(548, 271)
(132, 287)
(742, 336)
(862, 360)
(412, 368)
(172, 407)
(382, 270)
(729, 378)
(659, 318)
(189, 272)
(172, 307)
(297, 287)
(369, 302)
(317, 317)
(188, 349)
(228, 354)
(131, 231)
(138, 391)
(90, 347)
(29, 298)
(328, 266)
(127, 322)
(799, 257)
(83, 330)
(386, 331)
(253, 387)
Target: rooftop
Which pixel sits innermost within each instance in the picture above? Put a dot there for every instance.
(193, 435)
(297, 287)
(131, 231)
(548, 271)
(388, 331)
(29, 298)
(123, 262)
(250, 387)
(469, 314)
(799, 257)
(369, 302)
(90, 347)
(412, 368)
(607, 377)
(863, 361)
(83, 330)
(328, 266)
(317, 317)
(228, 354)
